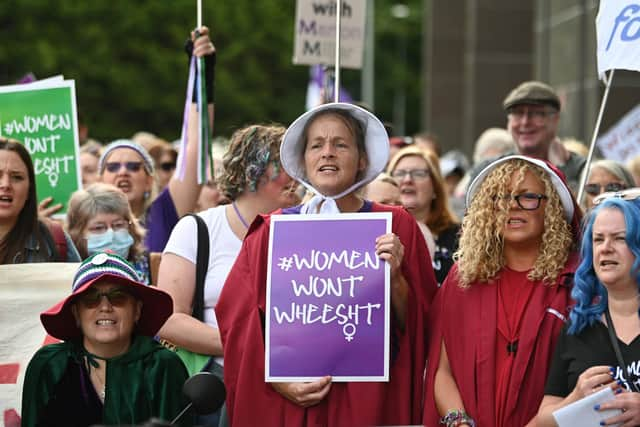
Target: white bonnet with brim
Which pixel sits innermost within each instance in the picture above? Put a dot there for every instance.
(563, 191)
(376, 143)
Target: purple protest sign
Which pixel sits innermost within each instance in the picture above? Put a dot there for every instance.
(327, 298)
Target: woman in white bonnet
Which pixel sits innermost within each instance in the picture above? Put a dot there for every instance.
(332, 150)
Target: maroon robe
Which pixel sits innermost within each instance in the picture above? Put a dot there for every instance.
(466, 319)
(240, 313)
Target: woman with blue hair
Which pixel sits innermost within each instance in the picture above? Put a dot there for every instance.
(599, 348)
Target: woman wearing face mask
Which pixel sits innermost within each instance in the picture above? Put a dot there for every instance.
(99, 219)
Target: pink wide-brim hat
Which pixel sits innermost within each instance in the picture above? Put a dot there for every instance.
(157, 305)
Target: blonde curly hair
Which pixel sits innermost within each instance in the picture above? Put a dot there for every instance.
(480, 252)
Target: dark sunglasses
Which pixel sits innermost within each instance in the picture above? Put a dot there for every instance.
(526, 201)
(114, 167)
(612, 187)
(167, 166)
(117, 297)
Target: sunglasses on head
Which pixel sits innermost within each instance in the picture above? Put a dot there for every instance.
(167, 166)
(595, 189)
(628, 194)
(117, 297)
(114, 167)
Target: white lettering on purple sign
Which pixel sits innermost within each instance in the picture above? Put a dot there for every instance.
(349, 316)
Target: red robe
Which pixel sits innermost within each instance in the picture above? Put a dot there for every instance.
(241, 311)
(466, 319)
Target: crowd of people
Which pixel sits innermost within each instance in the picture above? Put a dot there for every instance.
(509, 298)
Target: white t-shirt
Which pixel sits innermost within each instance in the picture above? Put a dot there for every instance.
(224, 247)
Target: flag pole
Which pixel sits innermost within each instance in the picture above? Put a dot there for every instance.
(336, 82)
(204, 150)
(199, 13)
(585, 170)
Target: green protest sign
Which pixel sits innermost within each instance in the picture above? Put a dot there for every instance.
(42, 116)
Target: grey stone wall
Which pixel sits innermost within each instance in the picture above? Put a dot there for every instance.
(477, 50)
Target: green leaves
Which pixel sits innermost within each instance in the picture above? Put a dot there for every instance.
(131, 71)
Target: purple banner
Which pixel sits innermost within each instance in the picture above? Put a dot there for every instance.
(327, 298)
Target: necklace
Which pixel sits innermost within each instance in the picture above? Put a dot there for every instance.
(101, 385)
(240, 217)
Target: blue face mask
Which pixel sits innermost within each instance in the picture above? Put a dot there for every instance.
(119, 242)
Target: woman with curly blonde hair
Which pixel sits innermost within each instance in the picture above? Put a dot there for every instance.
(504, 302)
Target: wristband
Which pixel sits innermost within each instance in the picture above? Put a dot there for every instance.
(455, 418)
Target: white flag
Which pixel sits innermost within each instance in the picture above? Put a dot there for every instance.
(622, 141)
(618, 30)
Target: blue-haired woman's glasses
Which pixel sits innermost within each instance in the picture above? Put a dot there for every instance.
(628, 194)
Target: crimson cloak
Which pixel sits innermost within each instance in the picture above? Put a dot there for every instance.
(241, 313)
(466, 319)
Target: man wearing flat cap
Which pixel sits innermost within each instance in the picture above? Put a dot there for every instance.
(533, 114)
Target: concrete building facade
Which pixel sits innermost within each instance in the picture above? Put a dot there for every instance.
(476, 51)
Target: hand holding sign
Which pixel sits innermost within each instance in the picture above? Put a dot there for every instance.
(46, 211)
(627, 402)
(390, 248)
(304, 394)
(328, 297)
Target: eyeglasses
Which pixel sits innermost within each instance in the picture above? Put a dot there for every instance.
(167, 166)
(611, 187)
(526, 201)
(114, 167)
(117, 297)
(628, 194)
(415, 174)
(102, 227)
(535, 115)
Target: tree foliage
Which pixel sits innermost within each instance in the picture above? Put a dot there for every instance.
(130, 68)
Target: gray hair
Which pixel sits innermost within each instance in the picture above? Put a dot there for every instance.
(616, 169)
(96, 199)
(496, 139)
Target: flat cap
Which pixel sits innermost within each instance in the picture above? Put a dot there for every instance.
(532, 92)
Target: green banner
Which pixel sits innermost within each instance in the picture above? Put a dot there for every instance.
(43, 117)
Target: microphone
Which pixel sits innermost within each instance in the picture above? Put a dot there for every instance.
(204, 390)
(206, 393)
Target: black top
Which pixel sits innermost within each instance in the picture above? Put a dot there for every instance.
(446, 245)
(74, 400)
(574, 354)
